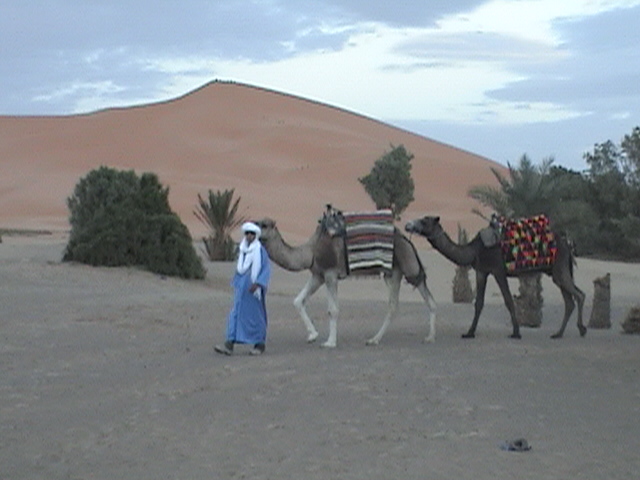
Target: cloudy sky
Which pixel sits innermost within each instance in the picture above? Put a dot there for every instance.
(499, 78)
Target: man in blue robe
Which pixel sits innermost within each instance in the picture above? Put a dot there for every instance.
(247, 321)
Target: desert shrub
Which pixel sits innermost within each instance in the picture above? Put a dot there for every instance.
(120, 219)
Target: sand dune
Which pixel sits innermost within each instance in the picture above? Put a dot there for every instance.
(285, 156)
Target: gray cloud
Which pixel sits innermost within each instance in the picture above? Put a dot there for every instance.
(603, 70)
(405, 14)
(479, 46)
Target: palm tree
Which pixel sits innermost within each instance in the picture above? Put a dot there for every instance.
(529, 190)
(219, 212)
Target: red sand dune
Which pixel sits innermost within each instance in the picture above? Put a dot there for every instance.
(285, 156)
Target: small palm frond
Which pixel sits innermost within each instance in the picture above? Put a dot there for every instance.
(491, 197)
(219, 212)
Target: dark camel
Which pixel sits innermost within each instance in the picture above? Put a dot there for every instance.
(489, 261)
(323, 255)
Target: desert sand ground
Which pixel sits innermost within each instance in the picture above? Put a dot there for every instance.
(110, 374)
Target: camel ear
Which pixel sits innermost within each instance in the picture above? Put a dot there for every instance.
(437, 219)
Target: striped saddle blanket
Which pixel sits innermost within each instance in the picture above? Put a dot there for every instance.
(527, 244)
(369, 241)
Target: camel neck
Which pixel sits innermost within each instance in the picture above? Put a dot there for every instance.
(290, 258)
(462, 255)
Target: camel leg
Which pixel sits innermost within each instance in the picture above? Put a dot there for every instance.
(580, 297)
(431, 306)
(569, 293)
(393, 286)
(300, 303)
(332, 300)
(569, 305)
(481, 286)
(508, 301)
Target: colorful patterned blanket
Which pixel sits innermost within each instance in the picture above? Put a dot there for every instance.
(527, 244)
(369, 241)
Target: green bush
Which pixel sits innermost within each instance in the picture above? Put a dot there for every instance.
(120, 219)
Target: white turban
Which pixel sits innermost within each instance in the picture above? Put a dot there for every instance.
(251, 227)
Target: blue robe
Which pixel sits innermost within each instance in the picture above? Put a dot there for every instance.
(247, 322)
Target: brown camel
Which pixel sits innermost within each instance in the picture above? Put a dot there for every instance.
(489, 261)
(324, 256)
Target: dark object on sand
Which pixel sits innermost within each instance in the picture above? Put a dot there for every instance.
(632, 322)
(518, 445)
(601, 311)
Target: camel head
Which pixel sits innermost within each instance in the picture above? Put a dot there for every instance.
(268, 229)
(332, 222)
(426, 226)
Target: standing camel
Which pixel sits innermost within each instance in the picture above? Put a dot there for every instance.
(324, 256)
(489, 261)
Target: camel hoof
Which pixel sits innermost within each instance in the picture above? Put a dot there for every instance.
(583, 330)
(328, 345)
(372, 342)
(469, 335)
(312, 337)
(556, 335)
(430, 339)
(516, 336)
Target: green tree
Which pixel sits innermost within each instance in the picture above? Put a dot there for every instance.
(120, 219)
(572, 212)
(608, 190)
(219, 212)
(630, 146)
(614, 194)
(389, 184)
